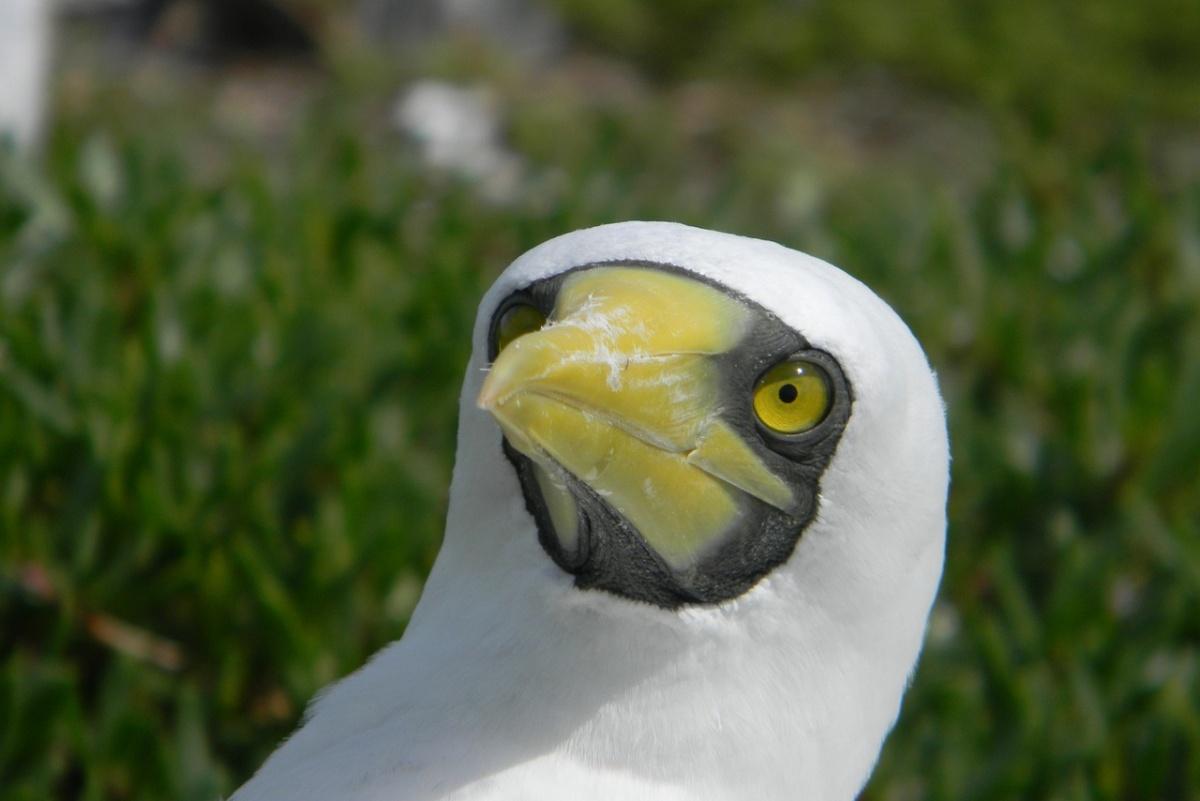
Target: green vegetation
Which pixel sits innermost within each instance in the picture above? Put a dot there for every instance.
(1054, 58)
(229, 364)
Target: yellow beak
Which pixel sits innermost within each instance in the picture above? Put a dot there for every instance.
(621, 390)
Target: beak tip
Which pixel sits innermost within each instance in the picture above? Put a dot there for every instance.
(486, 399)
(500, 380)
(493, 393)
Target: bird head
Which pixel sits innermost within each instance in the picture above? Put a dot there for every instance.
(669, 433)
(680, 409)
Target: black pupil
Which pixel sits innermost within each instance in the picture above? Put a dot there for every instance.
(788, 393)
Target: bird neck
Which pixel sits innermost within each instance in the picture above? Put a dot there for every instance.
(788, 691)
(770, 694)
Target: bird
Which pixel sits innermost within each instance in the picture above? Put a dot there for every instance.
(697, 522)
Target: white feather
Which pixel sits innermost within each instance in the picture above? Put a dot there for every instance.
(512, 684)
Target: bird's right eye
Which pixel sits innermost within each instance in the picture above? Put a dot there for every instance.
(515, 322)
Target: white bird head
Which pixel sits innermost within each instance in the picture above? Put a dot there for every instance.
(696, 525)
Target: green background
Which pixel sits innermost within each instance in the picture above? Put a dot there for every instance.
(231, 343)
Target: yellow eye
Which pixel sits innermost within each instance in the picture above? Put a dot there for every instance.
(517, 320)
(792, 397)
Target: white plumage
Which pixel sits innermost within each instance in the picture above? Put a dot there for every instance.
(512, 683)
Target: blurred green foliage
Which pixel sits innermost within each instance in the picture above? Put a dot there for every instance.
(229, 371)
(1050, 59)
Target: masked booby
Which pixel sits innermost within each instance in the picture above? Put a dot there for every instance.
(696, 525)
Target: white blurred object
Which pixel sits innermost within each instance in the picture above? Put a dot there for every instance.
(458, 129)
(24, 64)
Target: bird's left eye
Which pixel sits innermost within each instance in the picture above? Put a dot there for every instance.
(516, 321)
(792, 397)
